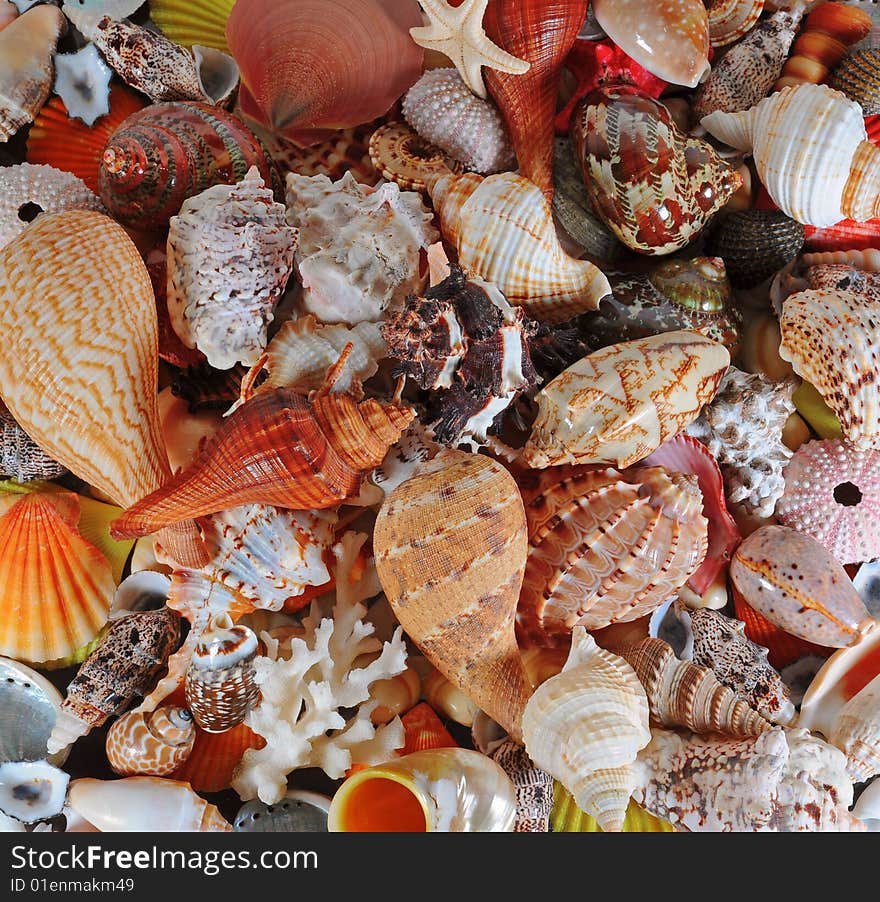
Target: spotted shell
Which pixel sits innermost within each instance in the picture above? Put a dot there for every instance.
(155, 743)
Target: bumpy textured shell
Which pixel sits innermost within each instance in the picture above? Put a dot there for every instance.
(20, 456)
(781, 781)
(816, 325)
(720, 644)
(502, 228)
(605, 546)
(160, 156)
(230, 254)
(858, 76)
(402, 156)
(441, 108)
(155, 743)
(742, 427)
(534, 787)
(619, 404)
(682, 694)
(585, 727)
(358, 246)
(450, 546)
(651, 185)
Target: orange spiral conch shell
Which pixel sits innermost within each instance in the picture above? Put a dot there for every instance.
(279, 449)
(605, 547)
(154, 743)
(450, 546)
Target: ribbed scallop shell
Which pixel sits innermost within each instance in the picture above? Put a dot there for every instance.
(867, 260)
(502, 228)
(154, 743)
(832, 339)
(215, 756)
(423, 729)
(729, 20)
(189, 22)
(605, 547)
(55, 587)
(858, 76)
(585, 727)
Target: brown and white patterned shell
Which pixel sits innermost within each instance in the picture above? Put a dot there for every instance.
(157, 742)
(404, 157)
(534, 787)
(858, 76)
(605, 546)
(619, 404)
(20, 456)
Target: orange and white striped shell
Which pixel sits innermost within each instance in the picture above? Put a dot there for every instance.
(605, 546)
(157, 742)
(729, 20)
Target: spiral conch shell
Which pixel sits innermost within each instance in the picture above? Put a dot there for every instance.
(812, 153)
(156, 743)
(586, 726)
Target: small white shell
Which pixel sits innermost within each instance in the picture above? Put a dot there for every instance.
(32, 790)
(82, 81)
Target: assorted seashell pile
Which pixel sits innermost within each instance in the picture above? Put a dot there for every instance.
(455, 417)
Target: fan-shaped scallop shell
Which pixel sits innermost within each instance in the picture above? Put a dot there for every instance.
(605, 546)
(189, 22)
(858, 76)
(156, 743)
(215, 756)
(423, 729)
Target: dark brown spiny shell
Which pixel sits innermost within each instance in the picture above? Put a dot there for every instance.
(858, 76)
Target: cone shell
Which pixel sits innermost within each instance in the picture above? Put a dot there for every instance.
(423, 729)
(585, 727)
(858, 76)
(619, 404)
(154, 743)
(215, 756)
(450, 546)
(605, 547)
(502, 228)
(56, 587)
(189, 22)
(566, 817)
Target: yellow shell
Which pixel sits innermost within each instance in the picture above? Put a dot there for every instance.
(154, 743)
(189, 22)
(566, 817)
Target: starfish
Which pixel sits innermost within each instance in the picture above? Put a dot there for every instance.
(458, 33)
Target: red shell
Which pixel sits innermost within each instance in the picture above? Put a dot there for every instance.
(214, 757)
(423, 729)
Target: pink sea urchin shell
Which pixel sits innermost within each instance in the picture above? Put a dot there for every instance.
(832, 493)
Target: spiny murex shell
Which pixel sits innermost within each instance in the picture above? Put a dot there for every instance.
(619, 404)
(230, 253)
(585, 727)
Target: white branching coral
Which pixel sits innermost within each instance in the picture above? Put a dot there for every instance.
(304, 695)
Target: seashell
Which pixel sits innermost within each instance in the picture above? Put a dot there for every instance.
(56, 587)
(444, 112)
(434, 791)
(297, 812)
(154, 743)
(683, 694)
(445, 597)
(867, 583)
(144, 804)
(82, 81)
(832, 493)
(844, 235)
(358, 248)
(215, 757)
(221, 682)
(305, 71)
(534, 787)
(755, 244)
(867, 260)
(424, 730)
(540, 32)
(69, 144)
(748, 71)
(829, 30)
(621, 403)
(604, 547)
(692, 295)
(585, 727)
(26, 47)
(842, 704)
(85, 14)
(143, 590)
(720, 643)
(796, 584)
(124, 664)
(160, 156)
(566, 817)
(502, 218)
(858, 76)
(447, 698)
(27, 190)
(398, 695)
(28, 707)
(20, 456)
(815, 325)
(670, 40)
(729, 20)
(189, 22)
(305, 455)
(652, 186)
(403, 157)
(781, 781)
(8, 13)
(831, 174)
(867, 809)
(230, 254)
(32, 791)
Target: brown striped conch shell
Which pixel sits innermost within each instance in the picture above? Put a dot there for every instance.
(155, 743)
(729, 20)
(682, 694)
(502, 228)
(811, 151)
(619, 404)
(605, 546)
(586, 726)
(450, 546)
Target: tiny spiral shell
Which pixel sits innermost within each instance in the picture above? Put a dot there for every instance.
(156, 742)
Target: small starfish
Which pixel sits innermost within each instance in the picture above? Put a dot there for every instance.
(458, 33)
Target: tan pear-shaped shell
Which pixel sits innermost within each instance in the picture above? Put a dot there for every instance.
(682, 694)
(450, 546)
(617, 405)
(79, 366)
(811, 151)
(502, 227)
(585, 727)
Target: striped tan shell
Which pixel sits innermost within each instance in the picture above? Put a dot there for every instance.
(154, 743)
(605, 546)
(858, 76)
(729, 20)
(450, 546)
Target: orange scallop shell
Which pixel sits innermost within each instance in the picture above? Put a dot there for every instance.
(215, 756)
(423, 729)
